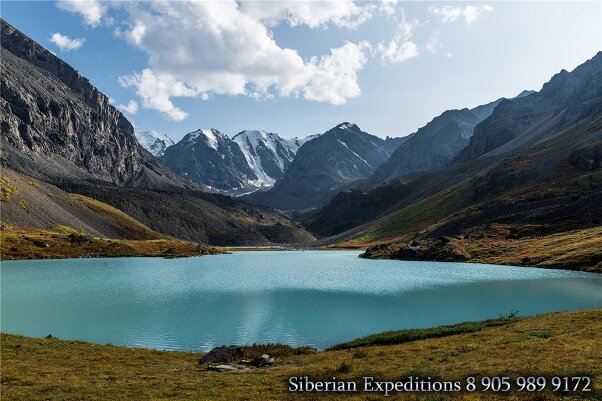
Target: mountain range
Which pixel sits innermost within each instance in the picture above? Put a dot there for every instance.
(511, 181)
(436, 144)
(530, 172)
(250, 161)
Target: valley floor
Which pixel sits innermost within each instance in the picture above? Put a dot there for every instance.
(557, 344)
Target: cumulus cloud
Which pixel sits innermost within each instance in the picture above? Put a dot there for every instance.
(201, 49)
(334, 77)
(399, 48)
(92, 11)
(314, 14)
(450, 13)
(130, 108)
(156, 91)
(65, 43)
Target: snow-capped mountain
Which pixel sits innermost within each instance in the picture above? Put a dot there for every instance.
(209, 157)
(252, 160)
(153, 141)
(325, 165)
(268, 154)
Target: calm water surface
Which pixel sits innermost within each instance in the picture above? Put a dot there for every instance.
(316, 298)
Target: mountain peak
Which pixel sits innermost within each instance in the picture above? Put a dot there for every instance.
(348, 126)
(154, 141)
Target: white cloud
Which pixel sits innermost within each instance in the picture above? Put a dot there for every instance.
(397, 52)
(130, 108)
(201, 49)
(314, 14)
(469, 13)
(91, 10)
(334, 77)
(399, 48)
(156, 90)
(65, 43)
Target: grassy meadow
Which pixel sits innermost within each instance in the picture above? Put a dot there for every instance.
(556, 344)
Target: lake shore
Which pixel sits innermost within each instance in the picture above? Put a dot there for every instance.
(579, 250)
(554, 344)
(571, 250)
(22, 243)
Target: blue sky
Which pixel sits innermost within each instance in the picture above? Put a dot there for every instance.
(300, 68)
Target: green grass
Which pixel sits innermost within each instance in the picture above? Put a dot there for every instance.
(404, 336)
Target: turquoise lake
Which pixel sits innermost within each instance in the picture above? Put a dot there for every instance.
(315, 298)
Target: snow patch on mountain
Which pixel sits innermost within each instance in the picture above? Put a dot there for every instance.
(153, 141)
(268, 154)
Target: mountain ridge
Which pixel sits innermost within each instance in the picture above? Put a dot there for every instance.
(326, 164)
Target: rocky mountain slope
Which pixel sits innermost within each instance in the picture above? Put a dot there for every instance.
(324, 165)
(58, 128)
(436, 144)
(201, 217)
(544, 180)
(567, 101)
(27, 202)
(153, 141)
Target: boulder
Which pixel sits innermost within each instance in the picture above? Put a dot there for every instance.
(262, 361)
(223, 354)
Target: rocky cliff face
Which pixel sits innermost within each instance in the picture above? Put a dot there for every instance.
(569, 98)
(49, 112)
(325, 165)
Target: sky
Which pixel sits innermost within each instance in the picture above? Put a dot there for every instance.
(300, 67)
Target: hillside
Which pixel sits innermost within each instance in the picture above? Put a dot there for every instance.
(32, 366)
(200, 217)
(28, 202)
